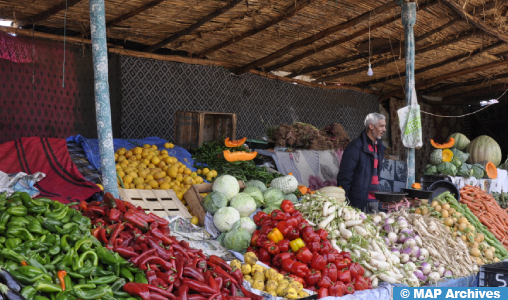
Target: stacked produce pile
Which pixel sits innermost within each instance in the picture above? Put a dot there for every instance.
(305, 136)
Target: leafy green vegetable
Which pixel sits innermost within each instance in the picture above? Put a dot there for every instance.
(226, 185)
(269, 209)
(436, 157)
(225, 217)
(291, 197)
(256, 183)
(447, 168)
(430, 170)
(246, 223)
(244, 204)
(478, 171)
(461, 156)
(214, 201)
(465, 170)
(238, 239)
(221, 238)
(273, 197)
(456, 162)
(255, 193)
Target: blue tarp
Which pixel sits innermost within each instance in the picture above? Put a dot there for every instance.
(91, 148)
(470, 281)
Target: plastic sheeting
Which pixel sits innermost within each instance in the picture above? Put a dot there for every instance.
(91, 148)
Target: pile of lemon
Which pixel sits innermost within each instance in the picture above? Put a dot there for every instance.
(147, 168)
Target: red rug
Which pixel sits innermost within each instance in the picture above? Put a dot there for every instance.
(63, 181)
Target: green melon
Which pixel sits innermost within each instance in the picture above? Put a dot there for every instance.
(436, 157)
(461, 141)
(484, 148)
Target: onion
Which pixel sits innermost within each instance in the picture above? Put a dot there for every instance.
(425, 268)
(410, 266)
(409, 242)
(392, 237)
(436, 263)
(407, 232)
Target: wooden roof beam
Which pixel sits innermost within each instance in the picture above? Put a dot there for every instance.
(193, 27)
(291, 11)
(384, 61)
(448, 76)
(46, 14)
(295, 45)
(133, 13)
(497, 89)
(451, 86)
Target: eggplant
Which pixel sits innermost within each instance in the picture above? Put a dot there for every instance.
(13, 295)
(7, 279)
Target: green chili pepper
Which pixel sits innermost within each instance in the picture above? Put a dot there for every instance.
(51, 239)
(28, 292)
(18, 231)
(84, 222)
(26, 199)
(132, 269)
(30, 271)
(57, 214)
(57, 258)
(120, 294)
(50, 267)
(75, 234)
(10, 254)
(85, 242)
(14, 202)
(64, 244)
(19, 211)
(20, 221)
(103, 280)
(42, 260)
(25, 280)
(86, 286)
(100, 273)
(83, 256)
(106, 256)
(37, 210)
(67, 260)
(47, 286)
(92, 294)
(140, 278)
(38, 297)
(115, 268)
(95, 242)
(4, 218)
(33, 262)
(68, 216)
(125, 273)
(74, 274)
(86, 271)
(118, 284)
(9, 265)
(42, 201)
(68, 282)
(55, 249)
(12, 243)
(36, 227)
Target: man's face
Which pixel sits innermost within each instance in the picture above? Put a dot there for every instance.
(379, 129)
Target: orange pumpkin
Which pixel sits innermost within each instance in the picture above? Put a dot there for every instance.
(302, 189)
(446, 145)
(416, 186)
(234, 144)
(490, 169)
(239, 155)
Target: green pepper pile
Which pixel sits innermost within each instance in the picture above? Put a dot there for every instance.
(48, 248)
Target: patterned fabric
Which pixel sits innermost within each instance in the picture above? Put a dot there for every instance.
(374, 184)
(152, 91)
(81, 161)
(393, 175)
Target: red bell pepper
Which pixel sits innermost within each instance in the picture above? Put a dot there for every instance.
(361, 283)
(261, 240)
(344, 276)
(339, 289)
(369, 282)
(293, 234)
(325, 247)
(283, 245)
(273, 250)
(313, 277)
(278, 215)
(313, 246)
(287, 264)
(265, 229)
(317, 262)
(264, 256)
(301, 225)
(292, 221)
(252, 249)
(267, 244)
(331, 271)
(329, 257)
(323, 234)
(356, 270)
(304, 255)
(298, 215)
(297, 278)
(350, 289)
(287, 206)
(254, 238)
(299, 269)
(346, 254)
(259, 217)
(277, 260)
(266, 221)
(348, 261)
(324, 282)
(273, 223)
(309, 236)
(322, 293)
(284, 228)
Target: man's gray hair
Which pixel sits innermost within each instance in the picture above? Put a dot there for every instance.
(373, 118)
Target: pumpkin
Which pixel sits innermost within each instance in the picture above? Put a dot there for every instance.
(490, 169)
(436, 157)
(302, 189)
(461, 141)
(234, 144)
(287, 184)
(239, 155)
(447, 155)
(416, 186)
(484, 148)
(449, 144)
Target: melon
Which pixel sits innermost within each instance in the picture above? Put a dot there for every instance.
(461, 141)
(484, 148)
(436, 157)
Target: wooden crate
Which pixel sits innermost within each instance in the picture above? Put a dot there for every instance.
(195, 201)
(192, 128)
(159, 202)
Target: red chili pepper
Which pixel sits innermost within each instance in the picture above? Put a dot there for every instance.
(163, 253)
(135, 220)
(109, 199)
(179, 262)
(361, 283)
(259, 217)
(155, 296)
(137, 289)
(350, 289)
(344, 276)
(313, 277)
(156, 260)
(322, 293)
(356, 270)
(284, 228)
(220, 282)
(299, 269)
(158, 234)
(200, 263)
(196, 297)
(118, 228)
(324, 282)
(213, 284)
(142, 256)
(323, 234)
(221, 272)
(97, 209)
(114, 215)
(182, 251)
(183, 291)
(150, 276)
(83, 205)
(220, 262)
(249, 294)
(103, 237)
(159, 220)
(237, 274)
(198, 286)
(304, 255)
(190, 271)
(95, 232)
(125, 253)
(287, 206)
(331, 271)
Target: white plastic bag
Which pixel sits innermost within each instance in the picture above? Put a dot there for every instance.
(410, 124)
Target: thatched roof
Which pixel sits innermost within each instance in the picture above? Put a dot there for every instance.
(461, 45)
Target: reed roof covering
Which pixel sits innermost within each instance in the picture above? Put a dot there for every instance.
(461, 49)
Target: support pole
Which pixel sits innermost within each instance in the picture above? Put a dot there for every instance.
(408, 21)
(102, 105)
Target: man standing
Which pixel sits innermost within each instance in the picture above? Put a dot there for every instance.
(361, 165)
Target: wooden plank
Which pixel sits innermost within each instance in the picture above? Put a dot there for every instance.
(233, 127)
(179, 204)
(193, 27)
(133, 13)
(216, 128)
(224, 125)
(46, 14)
(295, 45)
(162, 198)
(438, 29)
(451, 86)
(201, 126)
(291, 11)
(147, 194)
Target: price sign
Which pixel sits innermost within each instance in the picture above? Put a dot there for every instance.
(494, 275)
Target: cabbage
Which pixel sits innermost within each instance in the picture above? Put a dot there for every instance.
(269, 209)
(273, 197)
(255, 193)
(478, 171)
(460, 155)
(214, 201)
(291, 197)
(220, 239)
(456, 162)
(430, 170)
(225, 217)
(238, 239)
(465, 170)
(447, 168)
(247, 224)
(226, 185)
(260, 185)
(244, 204)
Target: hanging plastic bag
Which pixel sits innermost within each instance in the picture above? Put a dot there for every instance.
(410, 124)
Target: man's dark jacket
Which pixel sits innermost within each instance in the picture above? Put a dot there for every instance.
(357, 168)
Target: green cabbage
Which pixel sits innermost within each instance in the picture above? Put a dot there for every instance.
(269, 209)
(291, 197)
(273, 197)
(226, 185)
(430, 170)
(255, 193)
(447, 168)
(260, 185)
(244, 204)
(220, 239)
(465, 170)
(214, 201)
(225, 217)
(478, 171)
(456, 162)
(247, 224)
(238, 239)
(462, 156)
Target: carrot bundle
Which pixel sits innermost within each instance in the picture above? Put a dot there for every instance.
(487, 210)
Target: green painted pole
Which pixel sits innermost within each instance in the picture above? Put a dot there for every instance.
(408, 20)
(102, 105)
